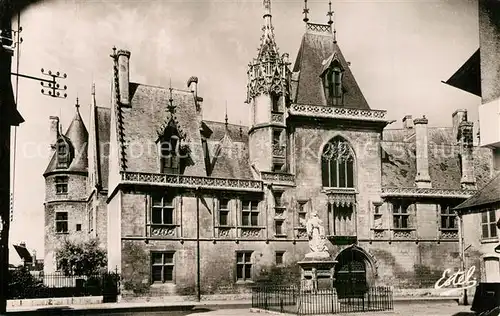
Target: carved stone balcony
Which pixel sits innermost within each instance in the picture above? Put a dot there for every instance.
(278, 178)
(191, 181)
(427, 192)
(279, 150)
(336, 112)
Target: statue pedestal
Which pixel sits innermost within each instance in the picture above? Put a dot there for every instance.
(317, 271)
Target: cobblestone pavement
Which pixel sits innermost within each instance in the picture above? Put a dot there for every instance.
(400, 309)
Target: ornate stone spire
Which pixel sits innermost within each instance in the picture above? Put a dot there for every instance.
(269, 71)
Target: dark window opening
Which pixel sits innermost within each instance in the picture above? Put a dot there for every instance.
(61, 185)
(488, 224)
(333, 86)
(337, 164)
(170, 155)
(277, 198)
(224, 212)
(448, 218)
(78, 227)
(302, 214)
(277, 137)
(250, 213)
(401, 217)
(275, 99)
(162, 212)
(279, 257)
(62, 222)
(162, 267)
(278, 227)
(244, 265)
(63, 154)
(278, 167)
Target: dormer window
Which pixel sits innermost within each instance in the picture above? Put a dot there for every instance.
(172, 156)
(63, 154)
(332, 81)
(169, 155)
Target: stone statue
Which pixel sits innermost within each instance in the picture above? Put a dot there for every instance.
(316, 233)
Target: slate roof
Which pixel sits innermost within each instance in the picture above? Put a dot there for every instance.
(77, 137)
(103, 123)
(399, 159)
(228, 151)
(144, 121)
(489, 194)
(316, 48)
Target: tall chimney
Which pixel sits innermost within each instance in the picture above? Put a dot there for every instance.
(422, 179)
(466, 143)
(408, 122)
(54, 130)
(192, 84)
(458, 117)
(123, 76)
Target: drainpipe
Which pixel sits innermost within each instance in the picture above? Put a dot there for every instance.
(198, 265)
(462, 251)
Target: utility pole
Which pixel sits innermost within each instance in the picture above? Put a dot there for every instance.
(9, 116)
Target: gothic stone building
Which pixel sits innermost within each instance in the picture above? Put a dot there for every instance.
(189, 198)
(76, 182)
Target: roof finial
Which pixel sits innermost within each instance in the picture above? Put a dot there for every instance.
(77, 105)
(93, 88)
(305, 12)
(171, 107)
(267, 8)
(330, 13)
(226, 119)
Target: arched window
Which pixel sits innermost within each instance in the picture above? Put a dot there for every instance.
(337, 164)
(169, 151)
(332, 81)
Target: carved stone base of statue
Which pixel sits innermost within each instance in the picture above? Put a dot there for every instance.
(317, 272)
(318, 255)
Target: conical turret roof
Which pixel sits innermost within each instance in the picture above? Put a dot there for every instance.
(77, 136)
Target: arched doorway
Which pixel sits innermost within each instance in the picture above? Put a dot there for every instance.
(351, 273)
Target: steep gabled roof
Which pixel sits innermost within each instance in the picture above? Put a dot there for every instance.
(484, 198)
(228, 151)
(399, 162)
(317, 48)
(103, 123)
(145, 120)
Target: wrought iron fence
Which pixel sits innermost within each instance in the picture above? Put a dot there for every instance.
(296, 300)
(24, 284)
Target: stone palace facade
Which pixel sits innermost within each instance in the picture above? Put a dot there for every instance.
(220, 203)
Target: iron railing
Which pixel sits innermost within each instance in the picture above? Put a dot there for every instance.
(298, 301)
(27, 285)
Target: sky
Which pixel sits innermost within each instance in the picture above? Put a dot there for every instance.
(399, 50)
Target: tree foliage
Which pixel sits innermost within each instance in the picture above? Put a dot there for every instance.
(81, 258)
